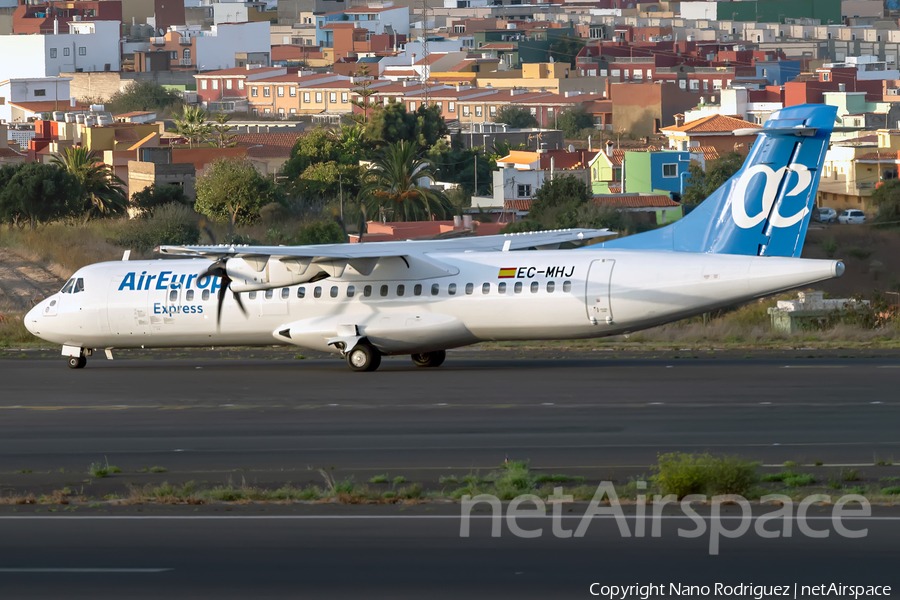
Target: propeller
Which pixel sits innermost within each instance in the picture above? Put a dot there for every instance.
(217, 269)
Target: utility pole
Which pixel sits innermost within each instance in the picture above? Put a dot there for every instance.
(425, 67)
(341, 189)
(476, 173)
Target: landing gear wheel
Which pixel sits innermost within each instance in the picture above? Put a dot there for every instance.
(430, 359)
(76, 362)
(364, 357)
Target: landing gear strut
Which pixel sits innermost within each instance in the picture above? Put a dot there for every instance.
(76, 362)
(430, 359)
(364, 357)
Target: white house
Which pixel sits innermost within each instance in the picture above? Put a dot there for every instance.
(88, 46)
(216, 48)
(21, 98)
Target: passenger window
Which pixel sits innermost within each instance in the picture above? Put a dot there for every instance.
(189, 295)
(253, 295)
(67, 289)
(534, 287)
(334, 291)
(501, 287)
(270, 294)
(384, 290)
(551, 285)
(367, 291)
(567, 286)
(301, 292)
(351, 291)
(417, 291)
(486, 288)
(79, 285)
(285, 293)
(470, 288)
(173, 295)
(518, 288)
(317, 292)
(205, 295)
(401, 289)
(435, 289)
(451, 289)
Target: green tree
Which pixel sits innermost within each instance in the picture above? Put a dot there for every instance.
(573, 121)
(365, 92)
(392, 123)
(455, 163)
(886, 198)
(232, 189)
(700, 183)
(391, 186)
(144, 95)
(556, 205)
(37, 193)
(146, 201)
(517, 117)
(566, 48)
(221, 136)
(321, 232)
(191, 125)
(102, 191)
(323, 162)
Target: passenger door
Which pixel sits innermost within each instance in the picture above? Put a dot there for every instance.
(597, 292)
(127, 312)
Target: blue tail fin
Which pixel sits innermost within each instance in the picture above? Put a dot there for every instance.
(764, 210)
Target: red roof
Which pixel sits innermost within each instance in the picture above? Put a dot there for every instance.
(517, 204)
(271, 145)
(712, 124)
(635, 201)
(880, 156)
(237, 71)
(10, 153)
(498, 47)
(49, 106)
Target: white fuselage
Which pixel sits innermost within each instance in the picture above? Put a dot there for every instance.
(406, 306)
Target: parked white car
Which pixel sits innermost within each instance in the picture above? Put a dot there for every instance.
(827, 215)
(852, 217)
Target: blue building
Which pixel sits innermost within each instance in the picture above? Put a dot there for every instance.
(778, 72)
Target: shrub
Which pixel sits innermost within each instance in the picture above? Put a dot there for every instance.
(170, 224)
(682, 474)
(891, 491)
(830, 246)
(799, 480)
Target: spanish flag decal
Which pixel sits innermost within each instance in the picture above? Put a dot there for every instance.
(508, 273)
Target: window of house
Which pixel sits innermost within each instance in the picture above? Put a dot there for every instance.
(203, 85)
(228, 84)
(254, 111)
(186, 54)
(695, 85)
(293, 111)
(670, 170)
(465, 110)
(305, 96)
(292, 91)
(523, 190)
(705, 85)
(412, 106)
(682, 83)
(493, 111)
(345, 97)
(281, 112)
(440, 106)
(451, 106)
(39, 93)
(267, 111)
(318, 97)
(332, 97)
(82, 51)
(52, 52)
(267, 91)
(478, 111)
(65, 51)
(240, 84)
(215, 83)
(281, 91)
(254, 92)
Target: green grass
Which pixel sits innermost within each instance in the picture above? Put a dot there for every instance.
(400, 479)
(889, 479)
(98, 470)
(891, 491)
(13, 332)
(849, 475)
(682, 474)
(790, 463)
(379, 479)
(449, 480)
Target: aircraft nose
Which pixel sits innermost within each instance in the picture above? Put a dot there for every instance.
(31, 319)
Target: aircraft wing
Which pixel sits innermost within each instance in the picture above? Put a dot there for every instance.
(542, 240)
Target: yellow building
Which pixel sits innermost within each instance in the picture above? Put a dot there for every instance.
(851, 173)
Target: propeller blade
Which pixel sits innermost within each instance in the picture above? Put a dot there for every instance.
(240, 304)
(226, 281)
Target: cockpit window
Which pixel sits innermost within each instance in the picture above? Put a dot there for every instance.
(79, 286)
(73, 286)
(68, 287)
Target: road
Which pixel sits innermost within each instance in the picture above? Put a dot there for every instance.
(274, 420)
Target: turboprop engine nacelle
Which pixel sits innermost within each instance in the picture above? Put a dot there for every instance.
(249, 274)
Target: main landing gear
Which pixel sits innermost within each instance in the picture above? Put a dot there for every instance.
(76, 362)
(364, 357)
(430, 359)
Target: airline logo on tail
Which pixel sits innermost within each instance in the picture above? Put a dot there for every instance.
(770, 192)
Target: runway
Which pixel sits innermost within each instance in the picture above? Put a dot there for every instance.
(207, 415)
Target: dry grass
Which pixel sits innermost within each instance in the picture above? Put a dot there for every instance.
(13, 331)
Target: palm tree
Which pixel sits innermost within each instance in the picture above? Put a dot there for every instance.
(102, 188)
(192, 125)
(351, 139)
(392, 184)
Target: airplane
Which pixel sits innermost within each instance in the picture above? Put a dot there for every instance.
(421, 298)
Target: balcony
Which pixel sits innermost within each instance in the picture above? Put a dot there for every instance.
(185, 62)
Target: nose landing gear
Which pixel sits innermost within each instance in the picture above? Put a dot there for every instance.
(364, 357)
